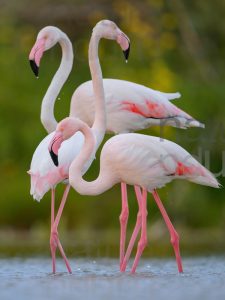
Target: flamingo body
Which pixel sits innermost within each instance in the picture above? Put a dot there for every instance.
(136, 159)
(130, 107)
(44, 175)
(150, 162)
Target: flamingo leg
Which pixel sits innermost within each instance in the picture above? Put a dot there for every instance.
(53, 246)
(143, 240)
(123, 221)
(173, 234)
(136, 229)
(54, 239)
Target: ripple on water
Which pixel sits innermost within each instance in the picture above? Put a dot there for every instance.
(100, 279)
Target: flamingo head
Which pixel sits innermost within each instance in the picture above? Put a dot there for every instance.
(46, 39)
(64, 130)
(109, 30)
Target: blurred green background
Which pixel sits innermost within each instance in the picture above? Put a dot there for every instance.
(175, 46)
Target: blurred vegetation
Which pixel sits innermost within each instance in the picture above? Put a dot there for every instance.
(175, 45)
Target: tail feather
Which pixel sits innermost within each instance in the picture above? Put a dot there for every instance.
(206, 178)
(171, 96)
(195, 123)
(178, 122)
(183, 122)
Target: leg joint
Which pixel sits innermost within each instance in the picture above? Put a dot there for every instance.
(139, 217)
(142, 244)
(124, 215)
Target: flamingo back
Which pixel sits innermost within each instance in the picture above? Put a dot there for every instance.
(151, 162)
(130, 107)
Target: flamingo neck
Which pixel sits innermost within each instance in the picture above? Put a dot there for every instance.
(47, 108)
(94, 136)
(99, 125)
(82, 162)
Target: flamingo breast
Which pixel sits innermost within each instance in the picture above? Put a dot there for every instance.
(44, 174)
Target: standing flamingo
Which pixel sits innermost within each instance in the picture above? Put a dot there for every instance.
(44, 174)
(145, 161)
(129, 106)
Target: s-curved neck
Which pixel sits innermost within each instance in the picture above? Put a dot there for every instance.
(99, 125)
(77, 168)
(47, 108)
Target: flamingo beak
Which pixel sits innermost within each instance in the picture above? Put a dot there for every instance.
(36, 54)
(124, 43)
(126, 53)
(54, 146)
(34, 68)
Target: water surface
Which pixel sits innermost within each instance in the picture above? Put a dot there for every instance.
(31, 279)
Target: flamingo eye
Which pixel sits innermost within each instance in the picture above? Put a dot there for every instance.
(61, 128)
(45, 37)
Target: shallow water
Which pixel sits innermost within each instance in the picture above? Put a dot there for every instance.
(155, 279)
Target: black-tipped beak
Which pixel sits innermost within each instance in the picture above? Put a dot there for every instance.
(126, 53)
(34, 67)
(54, 157)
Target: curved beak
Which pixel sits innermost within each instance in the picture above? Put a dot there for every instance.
(36, 54)
(126, 53)
(124, 43)
(34, 67)
(54, 146)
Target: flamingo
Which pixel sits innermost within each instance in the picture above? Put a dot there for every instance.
(135, 159)
(44, 174)
(129, 106)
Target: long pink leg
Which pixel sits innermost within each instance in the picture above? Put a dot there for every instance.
(54, 242)
(136, 229)
(173, 234)
(123, 221)
(64, 257)
(143, 240)
(53, 246)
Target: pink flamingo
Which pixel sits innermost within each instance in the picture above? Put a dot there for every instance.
(129, 106)
(145, 161)
(44, 174)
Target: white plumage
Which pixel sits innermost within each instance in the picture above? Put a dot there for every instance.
(44, 174)
(130, 107)
(144, 161)
(150, 162)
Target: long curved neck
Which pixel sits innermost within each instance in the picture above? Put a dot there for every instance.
(77, 168)
(47, 108)
(94, 136)
(99, 125)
